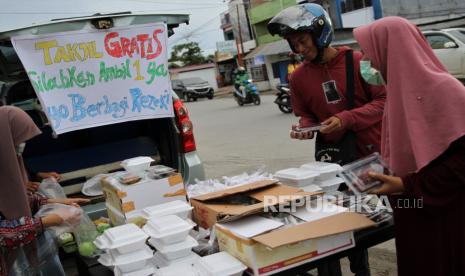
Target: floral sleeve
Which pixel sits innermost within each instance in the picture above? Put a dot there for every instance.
(35, 201)
(18, 232)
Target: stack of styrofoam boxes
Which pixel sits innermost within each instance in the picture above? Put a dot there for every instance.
(220, 263)
(327, 178)
(126, 251)
(312, 177)
(213, 265)
(297, 177)
(168, 226)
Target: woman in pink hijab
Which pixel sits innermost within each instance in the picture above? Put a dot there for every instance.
(18, 228)
(423, 142)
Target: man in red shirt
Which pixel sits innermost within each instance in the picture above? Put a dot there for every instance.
(319, 92)
(318, 86)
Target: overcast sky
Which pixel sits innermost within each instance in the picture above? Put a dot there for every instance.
(205, 22)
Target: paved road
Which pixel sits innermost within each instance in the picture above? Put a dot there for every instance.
(232, 139)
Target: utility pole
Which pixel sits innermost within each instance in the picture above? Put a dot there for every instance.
(239, 53)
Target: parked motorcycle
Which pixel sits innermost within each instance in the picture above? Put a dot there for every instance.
(283, 98)
(247, 93)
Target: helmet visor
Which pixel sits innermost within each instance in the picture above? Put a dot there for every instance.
(295, 18)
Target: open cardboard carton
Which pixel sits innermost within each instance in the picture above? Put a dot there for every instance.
(124, 202)
(275, 249)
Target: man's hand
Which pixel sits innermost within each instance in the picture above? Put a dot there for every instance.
(69, 201)
(332, 124)
(391, 184)
(301, 135)
(32, 186)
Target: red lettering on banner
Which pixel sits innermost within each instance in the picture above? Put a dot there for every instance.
(112, 48)
(148, 47)
(158, 50)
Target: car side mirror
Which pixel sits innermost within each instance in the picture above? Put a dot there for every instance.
(450, 44)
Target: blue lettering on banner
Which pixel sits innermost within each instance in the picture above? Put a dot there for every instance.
(79, 109)
(141, 101)
(57, 113)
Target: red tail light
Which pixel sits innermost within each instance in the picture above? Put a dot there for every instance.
(185, 126)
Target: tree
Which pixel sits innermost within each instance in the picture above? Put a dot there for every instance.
(187, 53)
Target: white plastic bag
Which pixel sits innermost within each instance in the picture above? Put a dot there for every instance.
(70, 215)
(92, 186)
(50, 188)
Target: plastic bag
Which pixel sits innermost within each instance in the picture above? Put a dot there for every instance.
(85, 234)
(50, 188)
(71, 217)
(92, 186)
(208, 244)
(213, 185)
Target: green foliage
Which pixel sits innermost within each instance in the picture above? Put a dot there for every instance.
(187, 53)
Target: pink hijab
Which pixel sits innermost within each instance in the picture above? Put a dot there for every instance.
(16, 127)
(425, 105)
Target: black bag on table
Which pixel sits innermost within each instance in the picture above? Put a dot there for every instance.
(345, 150)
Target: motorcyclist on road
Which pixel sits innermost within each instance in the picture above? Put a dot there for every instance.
(240, 80)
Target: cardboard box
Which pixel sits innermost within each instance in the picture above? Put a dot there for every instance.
(126, 200)
(271, 249)
(282, 249)
(213, 207)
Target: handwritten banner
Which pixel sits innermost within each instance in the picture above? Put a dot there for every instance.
(91, 78)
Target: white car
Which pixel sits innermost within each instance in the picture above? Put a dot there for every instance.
(449, 46)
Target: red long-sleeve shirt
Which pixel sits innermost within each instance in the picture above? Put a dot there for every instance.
(310, 104)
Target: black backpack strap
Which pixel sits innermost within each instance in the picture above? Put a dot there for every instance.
(350, 94)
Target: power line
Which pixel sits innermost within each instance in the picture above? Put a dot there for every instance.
(190, 33)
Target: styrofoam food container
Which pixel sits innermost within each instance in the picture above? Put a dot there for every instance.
(175, 250)
(179, 208)
(168, 229)
(331, 184)
(135, 260)
(137, 164)
(312, 188)
(325, 169)
(177, 269)
(296, 176)
(160, 261)
(220, 263)
(149, 269)
(124, 239)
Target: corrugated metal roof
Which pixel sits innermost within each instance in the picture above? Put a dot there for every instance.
(282, 47)
(273, 48)
(192, 68)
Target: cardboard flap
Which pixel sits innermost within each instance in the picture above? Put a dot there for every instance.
(277, 190)
(234, 209)
(309, 230)
(236, 190)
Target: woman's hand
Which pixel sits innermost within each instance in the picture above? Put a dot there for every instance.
(391, 184)
(51, 220)
(32, 187)
(63, 216)
(332, 124)
(44, 175)
(69, 201)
